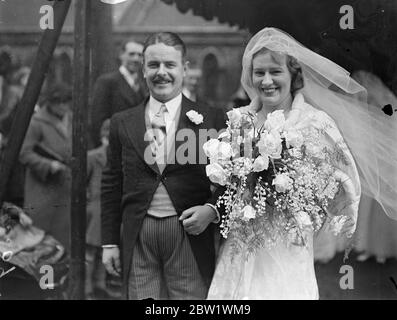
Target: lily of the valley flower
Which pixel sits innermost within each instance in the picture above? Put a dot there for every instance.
(242, 166)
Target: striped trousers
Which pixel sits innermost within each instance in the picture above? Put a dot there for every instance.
(163, 265)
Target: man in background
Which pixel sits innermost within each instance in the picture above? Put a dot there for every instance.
(118, 90)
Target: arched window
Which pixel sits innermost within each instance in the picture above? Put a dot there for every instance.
(210, 78)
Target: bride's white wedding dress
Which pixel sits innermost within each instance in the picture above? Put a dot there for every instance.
(285, 271)
(282, 272)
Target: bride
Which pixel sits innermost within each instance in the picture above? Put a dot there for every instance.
(281, 74)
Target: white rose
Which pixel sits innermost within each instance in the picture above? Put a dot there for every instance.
(225, 151)
(261, 163)
(224, 135)
(275, 121)
(315, 151)
(216, 173)
(217, 151)
(303, 219)
(282, 182)
(249, 212)
(234, 116)
(293, 138)
(211, 148)
(270, 144)
(195, 117)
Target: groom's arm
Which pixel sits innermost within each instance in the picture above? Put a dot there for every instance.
(220, 210)
(111, 194)
(196, 219)
(111, 189)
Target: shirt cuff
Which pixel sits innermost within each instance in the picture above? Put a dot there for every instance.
(109, 246)
(218, 217)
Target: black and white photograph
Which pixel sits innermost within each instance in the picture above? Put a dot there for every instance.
(211, 152)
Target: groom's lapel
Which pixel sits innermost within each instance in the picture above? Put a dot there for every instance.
(187, 105)
(135, 126)
(184, 121)
(184, 126)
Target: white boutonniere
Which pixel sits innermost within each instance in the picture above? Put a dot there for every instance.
(195, 117)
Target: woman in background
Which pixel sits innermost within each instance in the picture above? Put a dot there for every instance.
(46, 152)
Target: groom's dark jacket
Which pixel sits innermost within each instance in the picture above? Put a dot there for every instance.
(129, 182)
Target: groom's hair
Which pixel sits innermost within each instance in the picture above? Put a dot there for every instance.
(168, 38)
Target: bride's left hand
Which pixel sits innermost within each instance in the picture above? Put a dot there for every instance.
(196, 219)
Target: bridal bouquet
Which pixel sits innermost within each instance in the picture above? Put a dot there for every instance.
(278, 179)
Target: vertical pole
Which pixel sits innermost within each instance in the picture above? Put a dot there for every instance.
(103, 55)
(81, 65)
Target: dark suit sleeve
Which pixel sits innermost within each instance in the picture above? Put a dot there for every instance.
(220, 121)
(112, 188)
(101, 104)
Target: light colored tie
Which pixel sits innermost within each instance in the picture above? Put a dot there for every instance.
(159, 126)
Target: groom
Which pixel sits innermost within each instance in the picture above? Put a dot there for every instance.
(164, 209)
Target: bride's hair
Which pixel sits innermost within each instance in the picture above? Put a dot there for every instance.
(293, 66)
(295, 69)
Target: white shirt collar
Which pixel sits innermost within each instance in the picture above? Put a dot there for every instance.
(172, 105)
(128, 76)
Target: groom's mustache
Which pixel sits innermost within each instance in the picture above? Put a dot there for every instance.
(157, 79)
